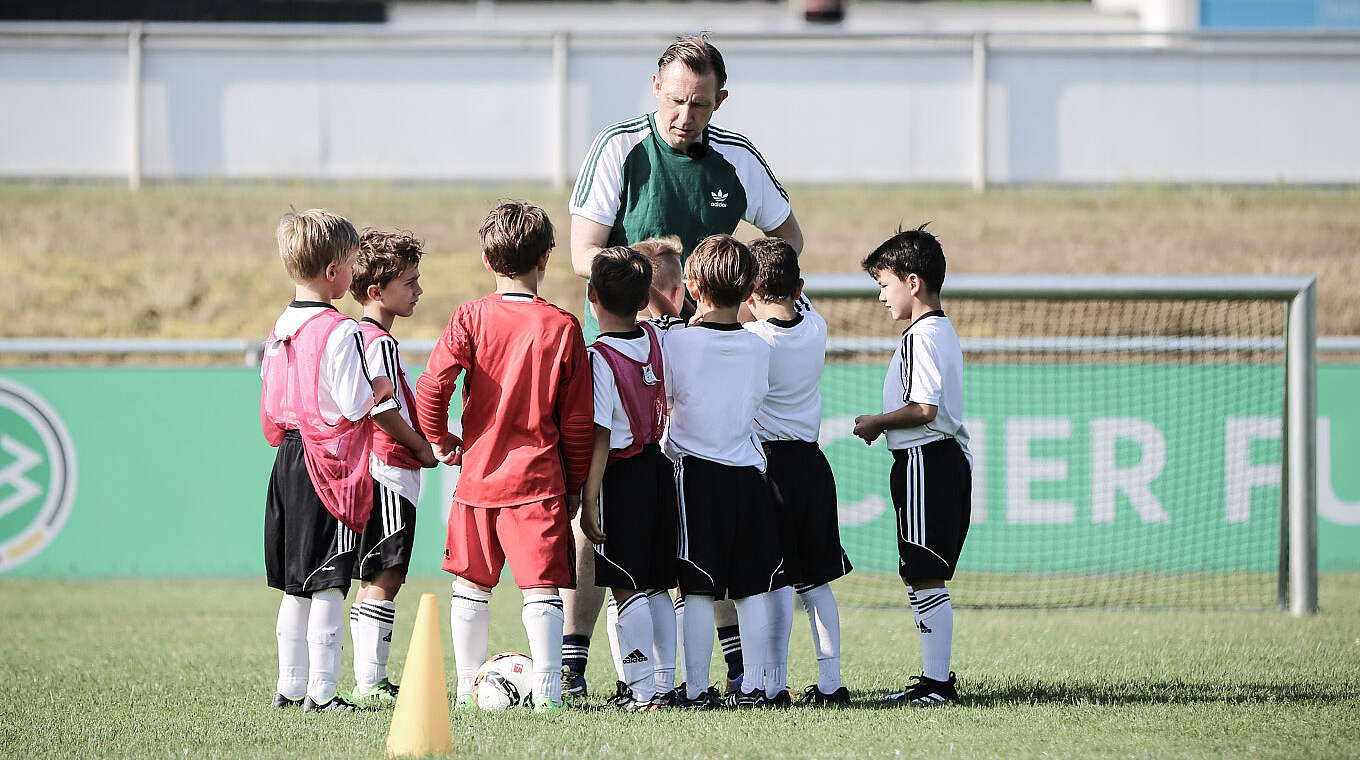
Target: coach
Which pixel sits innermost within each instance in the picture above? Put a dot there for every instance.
(669, 172)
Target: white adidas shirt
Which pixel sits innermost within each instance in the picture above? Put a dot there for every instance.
(927, 368)
(716, 378)
(792, 410)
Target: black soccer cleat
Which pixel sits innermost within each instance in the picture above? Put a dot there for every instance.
(337, 704)
(281, 702)
(709, 699)
(573, 683)
(739, 700)
(621, 694)
(925, 692)
(668, 699)
(814, 697)
(779, 701)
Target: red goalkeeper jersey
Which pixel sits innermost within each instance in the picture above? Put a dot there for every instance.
(528, 412)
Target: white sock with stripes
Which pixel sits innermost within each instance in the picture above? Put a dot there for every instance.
(663, 639)
(542, 617)
(470, 624)
(370, 627)
(935, 622)
(635, 639)
(698, 636)
(825, 619)
(291, 632)
(777, 653)
(680, 634)
(753, 616)
(611, 629)
(325, 643)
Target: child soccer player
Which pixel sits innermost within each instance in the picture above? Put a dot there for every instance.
(787, 424)
(630, 491)
(717, 374)
(314, 406)
(931, 479)
(527, 440)
(387, 284)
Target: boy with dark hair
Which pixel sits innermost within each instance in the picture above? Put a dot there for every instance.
(525, 452)
(787, 423)
(315, 406)
(387, 284)
(931, 479)
(717, 375)
(630, 491)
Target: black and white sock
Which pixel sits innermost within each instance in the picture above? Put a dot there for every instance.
(542, 618)
(635, 641)
(935, 623)
(729, 637)
(575, 652)
(370, 628)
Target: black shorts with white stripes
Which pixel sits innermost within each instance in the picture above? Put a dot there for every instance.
(389, 535)
(805, 503)
(729, 535)
(638, 517)
(932, 493)
(305, 548)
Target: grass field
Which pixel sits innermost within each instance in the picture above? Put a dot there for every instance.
(185, 669)
(199, 260)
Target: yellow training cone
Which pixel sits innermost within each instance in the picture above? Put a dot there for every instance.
(420, 722)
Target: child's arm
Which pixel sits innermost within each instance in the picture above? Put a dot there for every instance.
(922, 399)
(590, 503)
(391, 423)
(576, 416)
(871, 426)
(435, 387)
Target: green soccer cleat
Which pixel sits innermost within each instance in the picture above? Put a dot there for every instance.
(465, 702)
(383, 694)
(337, 704)
(549, 706)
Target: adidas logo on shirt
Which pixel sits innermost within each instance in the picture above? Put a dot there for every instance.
(719, 199)
(634, 657)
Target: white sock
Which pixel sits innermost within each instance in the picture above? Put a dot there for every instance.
(370, 627)
(542, 616)
(291, 632)
(825, 619)
(470, 623)
(325, 643)
(698, 637)
(753, 616)
(611, 629)
(635, 638)
(935, 623)
(680, 633)
(777, 653)
(663, 639)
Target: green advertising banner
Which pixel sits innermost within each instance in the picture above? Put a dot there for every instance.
(122, 472)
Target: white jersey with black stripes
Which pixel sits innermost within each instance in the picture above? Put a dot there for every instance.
(927, 368)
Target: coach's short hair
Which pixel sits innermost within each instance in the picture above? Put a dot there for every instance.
(311, 240)
(722, 269)
(622, 278)
(910, 252)
(665, 254)
(515, 235)
(382, 256)
(698, 55)
(778, 273)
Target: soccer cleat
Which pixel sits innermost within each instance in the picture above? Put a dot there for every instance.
(465, 702)
(337, 704)
(281, 702)
(631, 704)
(926, 691)
(384, 693)
(780, 700)
(709, 699)
(739, 700)
(814, 697)
(549, 706)
(621, 694)
(573, 683)
(667, 699)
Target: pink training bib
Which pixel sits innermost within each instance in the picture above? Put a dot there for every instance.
(641, 389)
(385, 447)
(336, 454)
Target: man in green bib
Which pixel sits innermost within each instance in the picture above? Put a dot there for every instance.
(669, 172)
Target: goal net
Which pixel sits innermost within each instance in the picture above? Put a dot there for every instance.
(1128, 443)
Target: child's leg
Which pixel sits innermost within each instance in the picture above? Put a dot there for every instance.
(729, 637)
(663, 639)
(470, 625)
(370, 626)
(580, 606)
(680, 632)
(753, 612)
(935, 622)
(825, 620)
(291, 632)
(635, 640)
(325, 629)
(542, 617)
(698, 635)
(777, 654)
(611, 630)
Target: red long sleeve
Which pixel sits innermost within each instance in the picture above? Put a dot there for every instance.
(576, 414)
(434, 388)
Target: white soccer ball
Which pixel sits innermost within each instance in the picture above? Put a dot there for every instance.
(504, 681)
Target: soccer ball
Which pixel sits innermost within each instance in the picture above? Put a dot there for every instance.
(504, 681)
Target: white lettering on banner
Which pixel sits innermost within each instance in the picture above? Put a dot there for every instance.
(1107, 478)
(1329, 506)
(977, 446)
(1240, 474)
(1022, 470)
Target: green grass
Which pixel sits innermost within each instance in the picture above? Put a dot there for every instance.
(185, 668)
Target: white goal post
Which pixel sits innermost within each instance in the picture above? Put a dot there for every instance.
(1298, 340)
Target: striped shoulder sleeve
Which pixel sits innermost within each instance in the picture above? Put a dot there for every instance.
(767, 203)
(599, 184)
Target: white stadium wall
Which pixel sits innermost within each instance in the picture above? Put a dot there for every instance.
(233, 102)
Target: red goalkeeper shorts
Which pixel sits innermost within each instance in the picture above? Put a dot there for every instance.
(535, 538)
